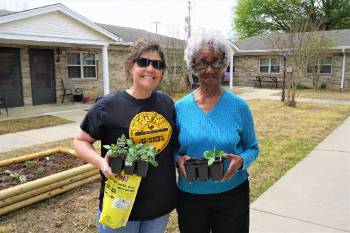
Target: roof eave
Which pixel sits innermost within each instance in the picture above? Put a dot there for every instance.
(63, 9)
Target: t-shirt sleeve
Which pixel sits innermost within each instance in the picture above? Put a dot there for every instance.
(93, 122)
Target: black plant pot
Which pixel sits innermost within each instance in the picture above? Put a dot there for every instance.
(197, 169)
(116, 164)
(129, 168)
(190, 168)
(202, 170)
(216, 170)
(141, 168)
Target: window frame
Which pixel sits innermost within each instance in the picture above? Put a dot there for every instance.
(81, 65)
(319, 66)
(270, 65)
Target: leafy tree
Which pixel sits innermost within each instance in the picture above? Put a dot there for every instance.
(253, 17)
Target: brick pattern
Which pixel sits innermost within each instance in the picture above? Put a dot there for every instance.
(247, 68)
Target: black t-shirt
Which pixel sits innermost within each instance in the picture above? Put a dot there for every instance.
(149, 120)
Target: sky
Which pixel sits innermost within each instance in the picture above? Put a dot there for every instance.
(169, 14)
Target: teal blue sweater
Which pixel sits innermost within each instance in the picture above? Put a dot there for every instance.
(229, 126)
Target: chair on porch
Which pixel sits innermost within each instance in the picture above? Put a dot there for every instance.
(69, 89)
(3, 104)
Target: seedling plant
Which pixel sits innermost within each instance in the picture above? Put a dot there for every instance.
(211, 155)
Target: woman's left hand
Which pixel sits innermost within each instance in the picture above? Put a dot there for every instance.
(235, 164)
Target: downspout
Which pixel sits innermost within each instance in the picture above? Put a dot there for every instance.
(231, 72)
(343, 72)
(105, 70)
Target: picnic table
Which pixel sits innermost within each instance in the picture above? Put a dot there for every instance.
(261, 79)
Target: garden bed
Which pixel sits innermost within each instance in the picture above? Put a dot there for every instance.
(35, 177)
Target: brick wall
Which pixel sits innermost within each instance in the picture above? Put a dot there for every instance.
(247, 67)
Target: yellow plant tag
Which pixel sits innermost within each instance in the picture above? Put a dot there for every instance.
(119, 197)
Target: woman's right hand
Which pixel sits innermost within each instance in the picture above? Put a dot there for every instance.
(105, 168)
(181, 162)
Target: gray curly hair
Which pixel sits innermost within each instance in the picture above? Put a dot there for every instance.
(220, 44)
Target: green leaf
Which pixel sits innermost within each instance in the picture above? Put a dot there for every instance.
(208, 154)
(107, 147)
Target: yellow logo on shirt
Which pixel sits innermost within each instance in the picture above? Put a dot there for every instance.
(150, 127)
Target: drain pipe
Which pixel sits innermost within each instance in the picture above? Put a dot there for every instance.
(343, 72)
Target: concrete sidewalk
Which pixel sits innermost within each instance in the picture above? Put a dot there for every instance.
(33, 137)
(314, 196)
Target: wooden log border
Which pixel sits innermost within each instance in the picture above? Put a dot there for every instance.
(34, 191)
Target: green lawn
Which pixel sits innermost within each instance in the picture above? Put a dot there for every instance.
(16, 125)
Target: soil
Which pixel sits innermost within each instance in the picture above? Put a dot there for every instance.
(37, 168)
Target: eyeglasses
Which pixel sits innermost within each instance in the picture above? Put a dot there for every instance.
(144, 62)
(203, 64)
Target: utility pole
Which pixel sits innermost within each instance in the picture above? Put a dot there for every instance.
(156, 23)
(188, 20)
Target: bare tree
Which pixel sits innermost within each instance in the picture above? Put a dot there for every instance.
(299, 49)
(174, 77)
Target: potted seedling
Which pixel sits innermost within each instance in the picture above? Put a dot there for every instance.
(211, 166)
(117, 153)
(146, 155)
(215, 163)
(132, 156)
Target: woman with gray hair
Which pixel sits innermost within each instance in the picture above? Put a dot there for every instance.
(213, 117)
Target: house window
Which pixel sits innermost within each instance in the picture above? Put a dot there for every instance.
(81, 65)
(326, 65)
(269, 65)
(322, 65)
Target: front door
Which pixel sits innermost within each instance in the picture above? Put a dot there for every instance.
(10, 76)
(42, 76)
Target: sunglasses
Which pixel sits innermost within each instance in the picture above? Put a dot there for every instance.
(144, 62)
(203, 64)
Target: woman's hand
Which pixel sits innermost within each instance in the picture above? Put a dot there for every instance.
(181, 162)
(105, 168)
(235, 164)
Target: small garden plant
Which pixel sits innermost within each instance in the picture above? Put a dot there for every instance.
(14, 176)
(131, 152)
(211, 155)
(120, 149)
(145, 152)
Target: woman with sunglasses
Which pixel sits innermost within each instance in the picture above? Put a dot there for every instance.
(143, 115)
(212, 117)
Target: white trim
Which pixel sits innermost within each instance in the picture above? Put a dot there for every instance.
(269, 65)
(343, 71)
(277, 50)
(51, 39)
(319, 66)
(234, 46)
(105, 70)
(60, 8)
(81, 65)
(231, 72)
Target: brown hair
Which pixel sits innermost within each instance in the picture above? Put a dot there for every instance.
(140, 46)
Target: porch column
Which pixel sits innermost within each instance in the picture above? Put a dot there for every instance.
(231, 72)
(343, 72)
(105, 70)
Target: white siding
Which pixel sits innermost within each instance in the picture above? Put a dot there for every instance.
(53, 24)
